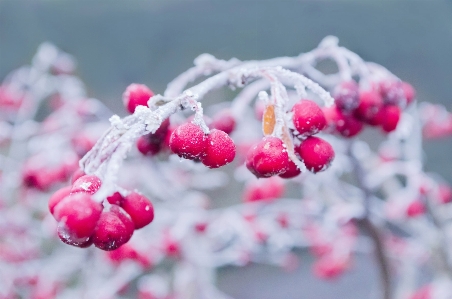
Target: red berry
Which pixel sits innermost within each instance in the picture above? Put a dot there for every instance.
(224, 121)
(136, 95)
(146, 147)
(115, 199)
(220, 149)
(77, 174)
(266, 190)
(409, 92)
(415, 208)
(139, 208)
(113, 229)
(268, 158)
(57, 197)
(87, 183)
(392, 92)
(77, 216)
(346, 95)
(316, 153)
(391, 118)
(345, 124)
(67, 239)
(188, 141)
(308, 118)
(370, 104)
(329, 267)
(291, 172)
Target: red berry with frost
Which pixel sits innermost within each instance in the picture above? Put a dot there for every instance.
(87, 183)
(57, 197)
(370, 103)
(113, 229)
(268, 158)
(188, 141)
(160, 133)
(263, 190)
(146, 147)
(409, 91)
(139, 208)
(77, 216)
(329, 267)
(224, 121)
(346, 95)
(291, 172)
(136, 95)
(308, 118)
(115, 199)
(219, 151)
(316, 153)
(67, 239)
(345, 124)
(391, 118)
(392, 92)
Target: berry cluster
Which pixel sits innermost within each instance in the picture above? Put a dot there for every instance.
(83, 221)
(379, 106)
(269, 157)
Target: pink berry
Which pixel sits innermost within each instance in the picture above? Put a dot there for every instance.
(291, 172)
(392, 92)
(220, 149)
(87, 183)
(444, 194)
(263, 190)
(77, 216)
(224, 121)
(308, 118)
(159, 135)
(113, 229)
(57, 197)
(415, 208)
(409, 91)
(391, 118)
(188, 141)
(370, 104)
(115, 199)
(146, 147)
(136, 95)
(346, 95)
(329, 267)
(139, 208)
(82, 144)
(316, 153)
(268, 158)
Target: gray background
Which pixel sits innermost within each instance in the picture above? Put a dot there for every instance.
(119, 42)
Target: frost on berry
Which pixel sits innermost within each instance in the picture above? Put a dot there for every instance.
(346, 95)
(308, 118)
(87, 183)
(268, 158)
(57, 197)
(224, 121)
(392, 92)
(263, 190)
(219, 151)
(139, 208)
(77, 216)
(188, 141)
(136, 95)
(113, 229)
(316, 153)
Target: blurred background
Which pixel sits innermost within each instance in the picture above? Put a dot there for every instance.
(151, 42)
